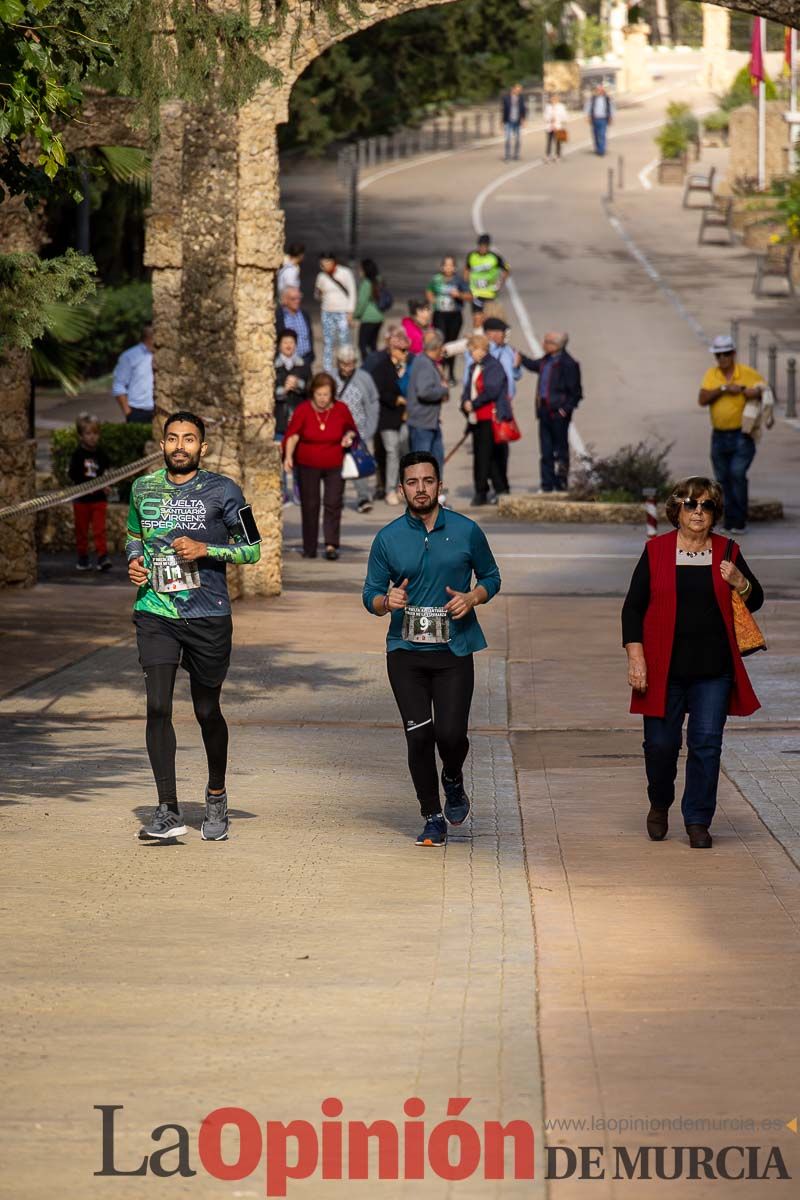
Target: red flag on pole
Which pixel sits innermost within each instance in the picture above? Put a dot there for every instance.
(756, 57)
(787, 52)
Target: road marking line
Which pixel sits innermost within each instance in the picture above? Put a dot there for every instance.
(644, 175)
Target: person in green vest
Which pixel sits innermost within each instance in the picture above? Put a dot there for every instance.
(486, 272)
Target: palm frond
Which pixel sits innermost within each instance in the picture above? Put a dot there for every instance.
(57, 362)
(65, 323)
(127, 164)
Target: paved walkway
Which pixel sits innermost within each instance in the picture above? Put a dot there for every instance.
(552, 964)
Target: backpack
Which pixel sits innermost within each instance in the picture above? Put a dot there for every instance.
(385, 298)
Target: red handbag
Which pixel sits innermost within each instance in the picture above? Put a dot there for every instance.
(504, 431)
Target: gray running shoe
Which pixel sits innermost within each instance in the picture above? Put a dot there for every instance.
(216, 823)
(164, 824)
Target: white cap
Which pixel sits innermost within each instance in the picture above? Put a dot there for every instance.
(723, 344)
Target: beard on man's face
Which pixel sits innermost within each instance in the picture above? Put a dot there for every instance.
(422, 501)
(179, 462)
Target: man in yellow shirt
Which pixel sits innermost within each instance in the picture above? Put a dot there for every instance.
(725, 389)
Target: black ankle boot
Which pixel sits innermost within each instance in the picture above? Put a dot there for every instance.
(699, 837)
(657, 823)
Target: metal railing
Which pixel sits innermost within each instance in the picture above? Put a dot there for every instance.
(775, 356)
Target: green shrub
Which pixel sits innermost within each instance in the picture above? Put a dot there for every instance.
(680, 114)
(740, 92)
(624, 475)
(122, 443)
(119, 314)
(672, 140)
(717, 122)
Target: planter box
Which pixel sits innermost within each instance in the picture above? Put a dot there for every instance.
(672, 171)
(589, 512)
(757, 236)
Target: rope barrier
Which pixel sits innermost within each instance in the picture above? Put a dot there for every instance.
(64, 495)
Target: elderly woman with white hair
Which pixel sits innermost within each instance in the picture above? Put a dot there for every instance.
(357, 389)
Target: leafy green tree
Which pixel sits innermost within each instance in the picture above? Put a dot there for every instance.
(396, 72)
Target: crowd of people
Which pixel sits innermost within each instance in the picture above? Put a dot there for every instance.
(397, 380)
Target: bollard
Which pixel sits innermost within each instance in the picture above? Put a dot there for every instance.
(772, 369)
(620, 172)
(791, 388)
(753, 354)
(451, 140)
(492, 125)
(610, 196)
(735, 331)
(464, 130)
(371, 151)
(479, 125)
(650, 511)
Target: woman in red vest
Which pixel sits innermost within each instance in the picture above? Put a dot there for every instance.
(677, 628)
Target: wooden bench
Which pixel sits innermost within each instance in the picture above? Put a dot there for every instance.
(776, 262)
(699, 183)
(718, 216)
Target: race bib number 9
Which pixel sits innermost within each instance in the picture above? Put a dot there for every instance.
(171, 574)
(426, 626)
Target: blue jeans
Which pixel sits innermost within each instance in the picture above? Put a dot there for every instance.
(512, 138)
(335, 333)
(430, 441)
(731, 454)
(599, 130)
(706, 701)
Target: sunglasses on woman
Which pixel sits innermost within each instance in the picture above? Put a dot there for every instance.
(690, 505)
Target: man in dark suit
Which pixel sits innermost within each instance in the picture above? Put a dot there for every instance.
(290, 315)
(558, 394)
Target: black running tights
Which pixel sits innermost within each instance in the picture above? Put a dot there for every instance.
(160, 683)
(433, 690)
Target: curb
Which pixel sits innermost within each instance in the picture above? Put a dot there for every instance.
(564, 510)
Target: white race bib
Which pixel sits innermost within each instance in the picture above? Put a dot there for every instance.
(426, 626)
(169, 573)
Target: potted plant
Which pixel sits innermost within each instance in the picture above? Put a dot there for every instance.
(715, 128)
(672, 141)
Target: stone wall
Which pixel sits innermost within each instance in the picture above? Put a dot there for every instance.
(743, 142)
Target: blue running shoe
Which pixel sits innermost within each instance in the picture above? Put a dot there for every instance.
(456, 804)
(435, 831)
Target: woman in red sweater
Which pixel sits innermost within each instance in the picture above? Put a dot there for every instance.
(317, 436)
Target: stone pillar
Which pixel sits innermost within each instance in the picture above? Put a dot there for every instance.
(20, 232)
(635, 76)
(716, 43)
(743, 142)
(214, 241)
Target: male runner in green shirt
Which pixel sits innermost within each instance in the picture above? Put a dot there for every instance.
(185, 525)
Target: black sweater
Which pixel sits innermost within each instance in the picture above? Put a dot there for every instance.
(700, 649)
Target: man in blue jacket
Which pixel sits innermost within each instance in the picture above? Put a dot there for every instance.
(558, 393)
(420, 574)
(515, 110)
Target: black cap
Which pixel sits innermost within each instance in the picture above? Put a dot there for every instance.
(494, 323)
(485, 237)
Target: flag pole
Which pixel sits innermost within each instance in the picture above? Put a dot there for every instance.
(762, 111)
(793, 97)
